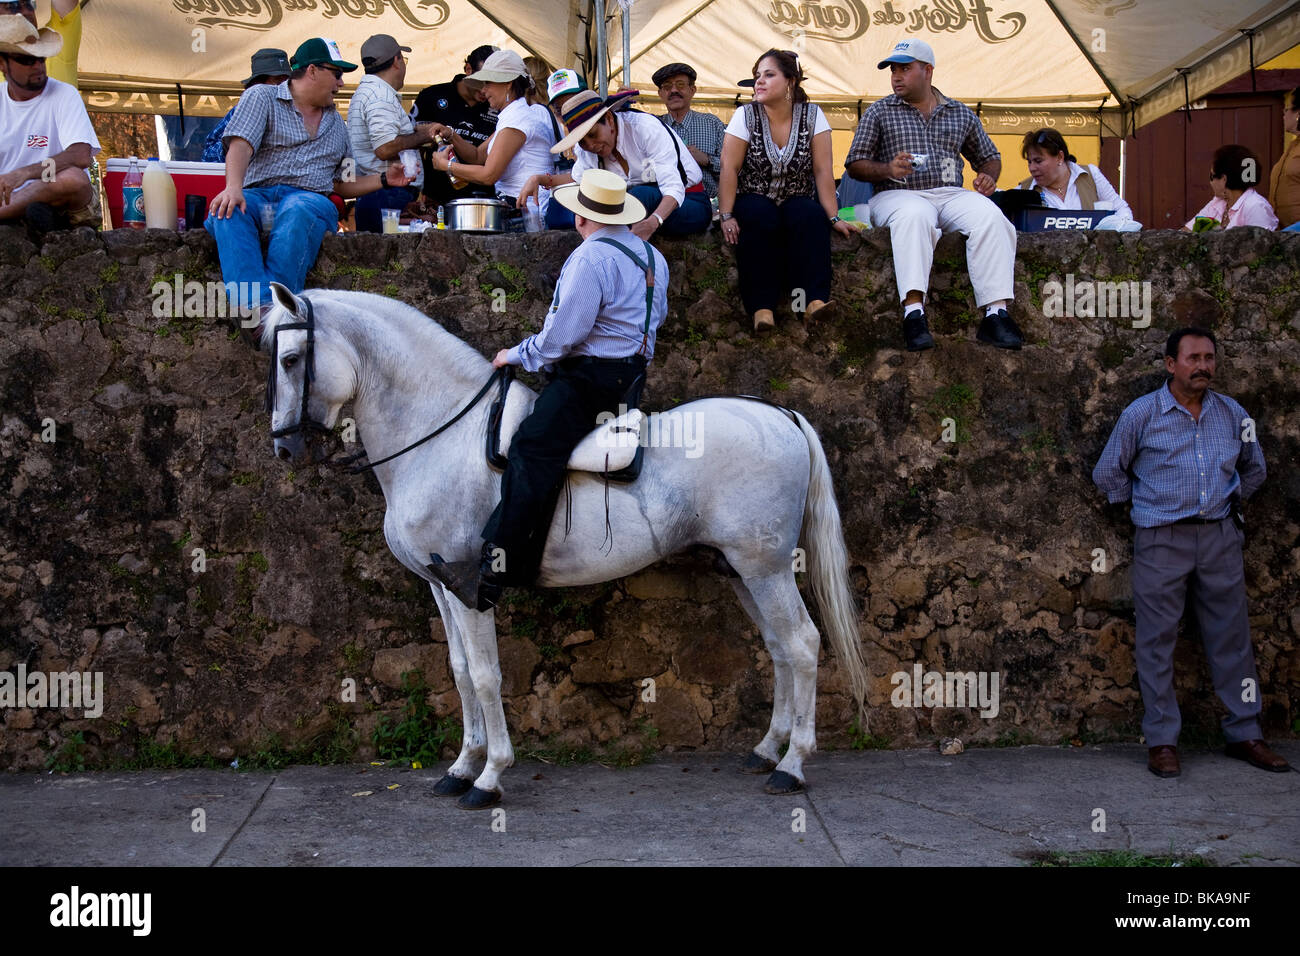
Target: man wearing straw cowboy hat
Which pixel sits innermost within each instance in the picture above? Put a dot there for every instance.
(599, 335)
(46, 140)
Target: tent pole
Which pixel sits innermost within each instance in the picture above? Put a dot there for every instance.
(602, 70)
(1123, 166)
(627, 48)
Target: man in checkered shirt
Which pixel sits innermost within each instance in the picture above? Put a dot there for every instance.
(287, 149)
(910, 144)
(380, 129)
(701, 132)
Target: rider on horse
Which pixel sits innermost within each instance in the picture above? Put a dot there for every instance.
(599, 335)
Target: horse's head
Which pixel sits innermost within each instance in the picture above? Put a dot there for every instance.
(310, 377)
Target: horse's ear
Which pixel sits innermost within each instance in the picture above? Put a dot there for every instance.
(284, 298)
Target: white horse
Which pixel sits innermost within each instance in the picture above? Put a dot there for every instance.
(758, 477)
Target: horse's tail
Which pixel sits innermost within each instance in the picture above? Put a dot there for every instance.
(828, 569)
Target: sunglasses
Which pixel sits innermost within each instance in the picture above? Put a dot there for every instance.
(24, 59)
(333, 70)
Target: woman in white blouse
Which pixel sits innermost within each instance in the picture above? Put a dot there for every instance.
(1061, 181)
(658, 167)
(776, 193)
(520, 147)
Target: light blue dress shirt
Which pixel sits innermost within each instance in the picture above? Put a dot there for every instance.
(1174, 466)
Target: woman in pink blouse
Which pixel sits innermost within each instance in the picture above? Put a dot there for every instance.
(1233, 176)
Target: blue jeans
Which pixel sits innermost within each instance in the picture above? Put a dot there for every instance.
(301, 220)
(691, 217)
(368, 206)
(1294, 227)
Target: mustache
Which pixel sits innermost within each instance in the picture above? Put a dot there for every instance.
(1202, 375)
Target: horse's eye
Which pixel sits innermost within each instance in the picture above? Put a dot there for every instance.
(289, 361)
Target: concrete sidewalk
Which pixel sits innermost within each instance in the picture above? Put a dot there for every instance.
(1000, 807)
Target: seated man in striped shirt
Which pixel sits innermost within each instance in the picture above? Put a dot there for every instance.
(1185, 456)
(287, 148)
(598, 338)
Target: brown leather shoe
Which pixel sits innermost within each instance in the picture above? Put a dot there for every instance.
(1257, 753)
(1163, 761)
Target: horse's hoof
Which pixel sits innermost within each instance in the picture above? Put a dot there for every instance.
(782, 783)
(476, 799)
(754, 763)
(450, 786)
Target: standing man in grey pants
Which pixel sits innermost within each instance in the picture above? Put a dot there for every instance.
(1186, 456)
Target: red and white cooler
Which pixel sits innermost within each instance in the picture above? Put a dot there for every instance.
(192, 179)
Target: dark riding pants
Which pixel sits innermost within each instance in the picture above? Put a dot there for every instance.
(563, 415)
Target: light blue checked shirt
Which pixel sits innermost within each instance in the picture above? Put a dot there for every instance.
(1175, 467)
(599, 304)
(284, 154)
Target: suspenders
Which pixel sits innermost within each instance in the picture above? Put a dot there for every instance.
(648, 267)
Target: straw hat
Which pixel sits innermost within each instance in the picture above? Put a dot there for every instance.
(17, 35)
(601, 197)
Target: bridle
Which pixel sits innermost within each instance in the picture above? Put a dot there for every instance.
(306, 426)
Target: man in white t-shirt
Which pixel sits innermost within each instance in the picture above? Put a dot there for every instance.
(380, 129)
(46, 140)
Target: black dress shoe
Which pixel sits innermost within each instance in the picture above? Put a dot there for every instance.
(916, 332)
(1001, 331)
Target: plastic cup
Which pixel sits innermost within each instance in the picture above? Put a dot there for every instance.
(410, 162)
(862, 213)
(391, 219)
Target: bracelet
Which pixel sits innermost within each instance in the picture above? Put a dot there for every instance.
(383, 179)
(659, 217)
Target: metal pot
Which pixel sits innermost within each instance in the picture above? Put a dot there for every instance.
(476, 215)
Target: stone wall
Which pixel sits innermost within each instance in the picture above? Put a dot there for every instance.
(970, 555)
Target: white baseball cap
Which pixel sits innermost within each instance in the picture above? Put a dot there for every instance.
(905, 51)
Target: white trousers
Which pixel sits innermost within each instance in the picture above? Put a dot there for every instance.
(916, 219)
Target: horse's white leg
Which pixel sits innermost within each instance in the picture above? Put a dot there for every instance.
(479, 633)
(473, 744)
(765, 756)
(778, 600)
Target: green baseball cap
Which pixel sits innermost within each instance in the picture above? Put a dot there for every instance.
(317, 51)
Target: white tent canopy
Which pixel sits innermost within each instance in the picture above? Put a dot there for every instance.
(1066, 62)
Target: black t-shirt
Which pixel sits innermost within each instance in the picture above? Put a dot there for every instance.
(442, 104)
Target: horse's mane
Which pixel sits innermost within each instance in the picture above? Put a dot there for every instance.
(367, 314)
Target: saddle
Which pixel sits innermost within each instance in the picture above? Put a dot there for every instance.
(614, 449)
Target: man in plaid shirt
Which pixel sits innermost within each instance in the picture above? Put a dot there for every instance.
(701, 132)
(910, 145)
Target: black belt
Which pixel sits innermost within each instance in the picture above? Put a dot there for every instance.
(1195, 520)
(577, 360)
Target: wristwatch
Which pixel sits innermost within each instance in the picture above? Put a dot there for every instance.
(659, 217)
(724, 216)
(835, 219)
(383, 179)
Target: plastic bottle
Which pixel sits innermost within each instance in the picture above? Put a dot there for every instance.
(532, 216)
(268, 218)
(133, 196)
(442, 221)
(159, 196)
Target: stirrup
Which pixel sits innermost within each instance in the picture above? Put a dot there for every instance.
(461, 578)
